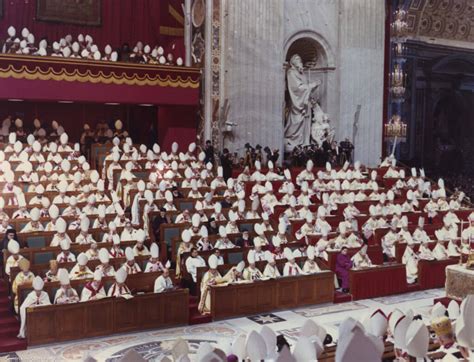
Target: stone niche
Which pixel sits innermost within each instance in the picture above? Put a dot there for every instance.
(347, 39)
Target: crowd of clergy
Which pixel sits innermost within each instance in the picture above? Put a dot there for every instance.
(70, 195)
(83, 47)
(445, 334)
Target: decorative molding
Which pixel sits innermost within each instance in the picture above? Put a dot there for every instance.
(88, 76)
(168, 30)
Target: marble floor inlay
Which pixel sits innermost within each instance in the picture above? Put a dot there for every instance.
(155, 344)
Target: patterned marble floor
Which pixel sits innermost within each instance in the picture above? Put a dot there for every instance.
(155, 344)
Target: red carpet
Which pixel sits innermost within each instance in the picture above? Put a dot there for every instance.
(194, 316)
(340, 297)
(9, 325)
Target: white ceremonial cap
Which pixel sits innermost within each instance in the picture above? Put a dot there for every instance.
(174, 147)
(453, 309)
(17, 147)
(12, 138)
(186, 236)
(85, 223)
(198, 206)
(238, 347)
(232, 216)
(438, 310)
(212, 261)
(82, 259)
(464, 324)
(269, 257)
(101, 211)
(256, 347)
(121, 275)
(203, 231)
(61, 225)
(309, 165)
(258, 229)
(129, 254)
(53, 212)
(13, 247)
(169, 196)
(116, 239)
(378, 323)
(38, 283)
(401, 329)
(98, 275)
(222, 231)
(149, 196)
(35, 214)
(417, 339)
(311, 328)
(218, 208)
(393, 318)
(63, 276)
(282, 228)
(251, 257)
(276, 241)
(154, 250)
(310, 252)
(140, 235)
(288, 254)
(304, 350)
(204, 351)
(220, 172)
(104, 256)
(357, 346)
(65, 244)
(240, 267)
(11, 31)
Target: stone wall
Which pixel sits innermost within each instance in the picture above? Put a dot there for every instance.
(256, 36)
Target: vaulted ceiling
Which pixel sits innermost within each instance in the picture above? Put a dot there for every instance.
(445, 20)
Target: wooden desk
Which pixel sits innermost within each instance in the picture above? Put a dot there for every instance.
(373, 251)
(264, 296)
(432, 273)
(378, 281)
(57, 323)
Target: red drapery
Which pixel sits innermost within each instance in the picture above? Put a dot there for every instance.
(122, 21)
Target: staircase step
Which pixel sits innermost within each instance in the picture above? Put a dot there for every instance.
(12, 344)
(5, 313)
(199, 319)
(9, 321)
(340, 297)
(9, 331)
(413, 287)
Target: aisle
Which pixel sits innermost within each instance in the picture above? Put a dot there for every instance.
(158, 343)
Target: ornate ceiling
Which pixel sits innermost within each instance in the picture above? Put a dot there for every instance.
(451, 20)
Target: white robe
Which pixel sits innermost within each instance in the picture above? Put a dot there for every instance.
(162, 284)
(31, 301)
(291, 269)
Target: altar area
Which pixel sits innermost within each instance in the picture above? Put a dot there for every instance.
(459, 281)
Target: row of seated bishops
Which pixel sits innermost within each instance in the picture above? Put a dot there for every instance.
(84, 47)
(376, 336)
(218, 211)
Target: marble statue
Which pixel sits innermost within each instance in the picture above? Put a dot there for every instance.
(321, 129)
(298, 122)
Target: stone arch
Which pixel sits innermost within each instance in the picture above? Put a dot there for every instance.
(314, 43)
